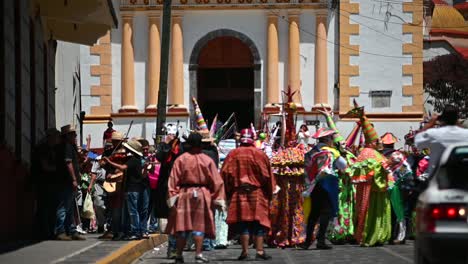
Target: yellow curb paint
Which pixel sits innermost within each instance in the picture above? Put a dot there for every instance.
(132, 250)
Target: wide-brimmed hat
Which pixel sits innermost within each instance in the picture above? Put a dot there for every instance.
(67, 129)
(116, 135)
(134, 146)
(388, 138)
(323, 132)
(246, 136)
(143, 142)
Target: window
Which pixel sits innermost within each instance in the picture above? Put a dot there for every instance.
(380, 99)
(453, 174)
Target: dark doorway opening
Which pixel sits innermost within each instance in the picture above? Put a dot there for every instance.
(225, 81)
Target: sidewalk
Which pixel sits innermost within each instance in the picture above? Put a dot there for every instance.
(91, 250)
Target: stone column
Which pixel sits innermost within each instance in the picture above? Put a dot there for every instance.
(273, 96)
(128, 67)
(154, 59)
(176, 94)
(321, 64)
(294, 69)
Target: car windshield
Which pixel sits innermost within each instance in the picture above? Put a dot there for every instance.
(455, 172)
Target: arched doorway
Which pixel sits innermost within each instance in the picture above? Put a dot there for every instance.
(225, 77)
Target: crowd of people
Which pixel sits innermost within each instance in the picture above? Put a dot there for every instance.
(260, 193)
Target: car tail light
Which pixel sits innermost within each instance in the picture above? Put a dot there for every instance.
(452, 213)
(427, 216)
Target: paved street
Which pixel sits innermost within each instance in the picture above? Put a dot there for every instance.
(388, 254)
(88, 251)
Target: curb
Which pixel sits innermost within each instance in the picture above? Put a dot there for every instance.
(133, 250)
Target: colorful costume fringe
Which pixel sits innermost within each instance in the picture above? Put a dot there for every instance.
(373, 204)
(343, 228)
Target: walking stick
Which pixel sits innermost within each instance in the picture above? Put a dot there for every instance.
(77, 211)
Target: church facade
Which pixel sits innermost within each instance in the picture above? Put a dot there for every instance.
(239, 55)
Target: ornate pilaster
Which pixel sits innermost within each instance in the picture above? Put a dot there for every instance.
(294, 70)
(273, 96)
(154, 59)
(128, 67)
(321, 61)
(176, 94)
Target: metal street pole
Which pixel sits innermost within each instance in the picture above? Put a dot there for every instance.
(164, 70)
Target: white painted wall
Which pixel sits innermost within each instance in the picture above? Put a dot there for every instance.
(67, 101)
(378, 72)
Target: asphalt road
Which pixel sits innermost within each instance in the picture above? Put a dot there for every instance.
(388, 254)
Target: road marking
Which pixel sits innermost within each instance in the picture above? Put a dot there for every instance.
(76, 253)
(393, 253)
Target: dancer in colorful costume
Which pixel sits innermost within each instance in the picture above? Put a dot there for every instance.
(343, 227)
(287, 214)
(372, 179)
(399, 195)
(404, 185)
(323, 177)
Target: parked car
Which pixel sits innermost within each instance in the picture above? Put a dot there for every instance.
(442, 209)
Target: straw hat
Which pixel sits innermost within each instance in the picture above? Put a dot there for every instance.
(67, 129)
(143, 142)
(134, 146)
(117, 135)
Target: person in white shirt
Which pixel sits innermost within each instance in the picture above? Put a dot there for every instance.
(303, 135)
(437, 139)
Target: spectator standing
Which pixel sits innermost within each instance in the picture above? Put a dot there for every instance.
(68, 178)
(249, 184)
(195, 187)
(135, 189)
(96, 189)
(438, 138)
(108, 133)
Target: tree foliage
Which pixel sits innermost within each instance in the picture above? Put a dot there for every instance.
(446, 81)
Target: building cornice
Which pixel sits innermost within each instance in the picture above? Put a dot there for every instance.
(143, 5)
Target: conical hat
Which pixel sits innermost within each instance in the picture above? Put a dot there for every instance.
(201, 124)
(388, 138)
(332, 125)
(370, 134)
(351, 139)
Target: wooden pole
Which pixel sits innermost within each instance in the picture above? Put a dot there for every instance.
(164, 70)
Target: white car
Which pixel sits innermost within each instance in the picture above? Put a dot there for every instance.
(442, 209)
